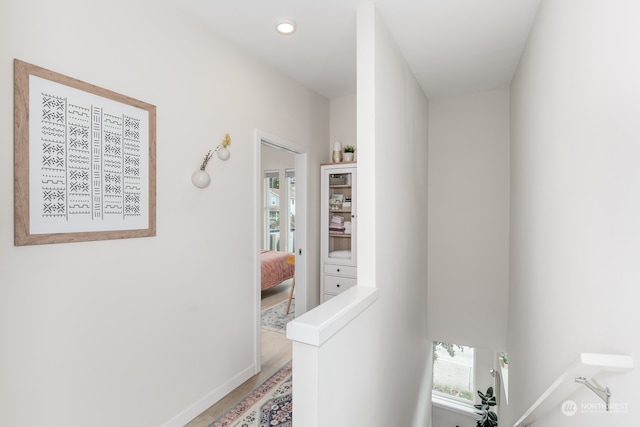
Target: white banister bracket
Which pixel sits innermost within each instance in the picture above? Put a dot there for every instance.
(602, 392)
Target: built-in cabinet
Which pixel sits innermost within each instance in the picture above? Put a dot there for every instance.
(338, 229)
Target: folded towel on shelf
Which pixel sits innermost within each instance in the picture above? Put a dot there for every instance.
(347, 227)
(340, 254)
(335, 219)
(336, 229)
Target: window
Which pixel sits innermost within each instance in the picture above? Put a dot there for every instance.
(453, 371)
(279, 210)
(272, 210)
(460, 371)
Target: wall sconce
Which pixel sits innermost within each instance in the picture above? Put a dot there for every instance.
(200, 178)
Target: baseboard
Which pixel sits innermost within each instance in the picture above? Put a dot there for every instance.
(210, 399)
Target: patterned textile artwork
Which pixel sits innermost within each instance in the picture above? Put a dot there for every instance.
(88, 163)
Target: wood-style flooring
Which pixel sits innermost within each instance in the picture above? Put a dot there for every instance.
(276, 351)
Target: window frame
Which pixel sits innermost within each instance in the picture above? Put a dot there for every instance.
(481, 371)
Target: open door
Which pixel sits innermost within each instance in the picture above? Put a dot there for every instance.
(301, 228)
(302, 199)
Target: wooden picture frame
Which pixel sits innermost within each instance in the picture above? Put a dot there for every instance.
(84, 161)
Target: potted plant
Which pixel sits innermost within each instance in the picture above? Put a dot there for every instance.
(348, 153)
(488, 418)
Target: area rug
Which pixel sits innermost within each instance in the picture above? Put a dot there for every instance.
(268, 405)
(275, 319)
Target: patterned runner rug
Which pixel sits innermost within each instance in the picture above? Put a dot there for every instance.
(268, 405)
(274, 319)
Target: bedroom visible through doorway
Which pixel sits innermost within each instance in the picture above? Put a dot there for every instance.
(281, 216)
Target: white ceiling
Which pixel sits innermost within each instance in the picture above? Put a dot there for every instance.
(452, 46)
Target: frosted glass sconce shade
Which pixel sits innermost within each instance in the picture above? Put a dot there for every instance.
(223, 153)
(200, 179)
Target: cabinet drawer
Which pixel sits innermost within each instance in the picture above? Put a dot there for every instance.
(337, 284)
(343, 270)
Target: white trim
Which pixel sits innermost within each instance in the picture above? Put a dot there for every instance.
(209, 399)
(453, 405)
(324, 321)
(302, 233)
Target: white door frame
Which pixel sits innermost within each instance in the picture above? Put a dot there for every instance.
(302, 227)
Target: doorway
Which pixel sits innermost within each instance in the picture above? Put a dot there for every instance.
(299, 236)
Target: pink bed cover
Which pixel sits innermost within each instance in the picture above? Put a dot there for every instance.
(275, 268)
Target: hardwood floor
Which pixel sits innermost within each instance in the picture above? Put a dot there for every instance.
(276, 351)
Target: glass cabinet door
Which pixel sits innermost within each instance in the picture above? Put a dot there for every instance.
(341, 214)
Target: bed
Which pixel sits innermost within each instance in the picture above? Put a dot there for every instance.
(275, 268)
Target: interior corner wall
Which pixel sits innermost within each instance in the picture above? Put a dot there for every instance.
(147, 331)
(575, 234)
(392, 241)
(468, 217)
(342, 122)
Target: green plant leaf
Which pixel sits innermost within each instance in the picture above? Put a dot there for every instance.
(488, 418)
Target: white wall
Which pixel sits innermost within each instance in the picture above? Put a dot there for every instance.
(392, 239)
(275, 159)
(469, 219)
(575, 235)
(342, 122)
(380, 361)
(133, 332)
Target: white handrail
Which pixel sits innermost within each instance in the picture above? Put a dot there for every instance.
(588, 365)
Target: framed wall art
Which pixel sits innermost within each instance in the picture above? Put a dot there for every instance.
(84, 161)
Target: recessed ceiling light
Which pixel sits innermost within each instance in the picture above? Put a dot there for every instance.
(286, 27)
